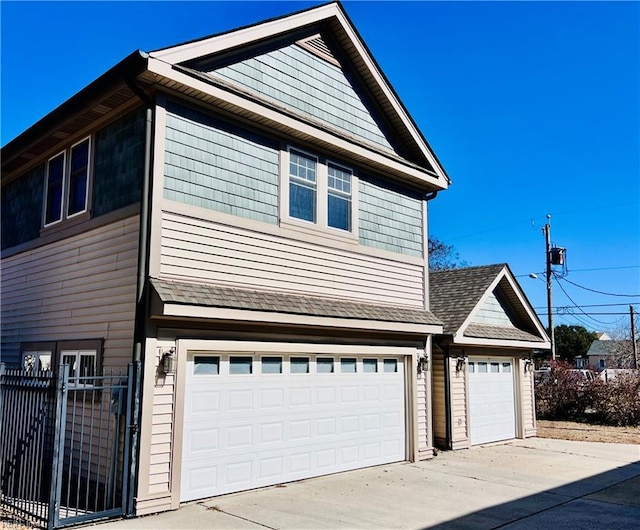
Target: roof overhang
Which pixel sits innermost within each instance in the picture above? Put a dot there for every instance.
(173, 300)
(109, 92)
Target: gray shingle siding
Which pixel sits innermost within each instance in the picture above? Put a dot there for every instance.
(119, 164)
(300, 80)
(390, 218)
(22, 208)
(217, 166)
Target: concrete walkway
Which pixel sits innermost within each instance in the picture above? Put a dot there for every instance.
(525, 484)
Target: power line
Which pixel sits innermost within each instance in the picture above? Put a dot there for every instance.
(593, 305)
(590, 270)
(576, 305)
(599, 292)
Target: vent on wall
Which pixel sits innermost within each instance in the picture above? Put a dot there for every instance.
(319, 48)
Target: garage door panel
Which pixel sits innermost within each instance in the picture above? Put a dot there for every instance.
(491, 400)
(284, 427)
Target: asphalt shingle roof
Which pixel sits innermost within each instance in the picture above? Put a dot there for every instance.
(253, 300)
(456, 292)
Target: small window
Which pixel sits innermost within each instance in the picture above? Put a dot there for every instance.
(36, 361)
(206, 365)
(299, 365)
(325, 365)
(272, 365)
(78, 178)
(339, 197)
(601, 363)
(348, 366)
(506, 367)
(472, 367)
(302, 186)
(482, 368)
(55, 189)
(495, 368)
(240, 365)
(82, 366)
(369, 366)
(390, 365)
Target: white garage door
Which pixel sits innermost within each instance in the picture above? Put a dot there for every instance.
(491, 400)
(256, 421)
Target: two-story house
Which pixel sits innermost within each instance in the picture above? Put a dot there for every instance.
(246, 214)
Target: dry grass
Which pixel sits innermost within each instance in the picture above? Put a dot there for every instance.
(570, 430)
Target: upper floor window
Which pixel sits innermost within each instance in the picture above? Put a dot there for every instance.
(67, 183)
(320, 192)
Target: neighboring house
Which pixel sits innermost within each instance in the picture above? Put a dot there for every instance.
(246, 215)
(482, 367)
(609, 353)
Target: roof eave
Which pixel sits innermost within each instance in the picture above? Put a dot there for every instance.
(130, 67)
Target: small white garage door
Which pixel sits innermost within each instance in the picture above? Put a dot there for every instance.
(261, 420)
(491, 400)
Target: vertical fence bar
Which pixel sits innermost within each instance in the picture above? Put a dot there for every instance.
(58, 446)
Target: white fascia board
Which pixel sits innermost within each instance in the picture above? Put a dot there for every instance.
(269, 317)
(500, 343)
(244, 36)
(165, 70)
(525, 305)
(397, 106)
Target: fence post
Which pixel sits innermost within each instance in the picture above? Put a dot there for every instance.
(133, 413)
(62, 384)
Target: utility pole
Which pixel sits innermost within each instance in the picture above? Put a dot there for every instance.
(634, 343)
(547, 235)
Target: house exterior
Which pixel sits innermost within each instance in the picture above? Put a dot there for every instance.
(482, 362)
(607, 353)
(246, 215)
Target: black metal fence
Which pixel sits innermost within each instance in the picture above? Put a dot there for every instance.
(65, 445)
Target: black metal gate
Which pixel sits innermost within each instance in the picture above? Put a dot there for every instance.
(65, 445)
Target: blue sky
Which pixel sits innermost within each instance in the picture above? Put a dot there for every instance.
(532, 107)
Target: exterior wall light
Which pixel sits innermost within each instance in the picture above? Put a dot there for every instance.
(423, 364)
(169, 361)
(528, 365)
(460, 363)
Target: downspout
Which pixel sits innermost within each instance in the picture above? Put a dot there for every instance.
(141, 316)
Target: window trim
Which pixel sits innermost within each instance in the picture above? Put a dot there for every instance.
(321, 225)
(66, 185)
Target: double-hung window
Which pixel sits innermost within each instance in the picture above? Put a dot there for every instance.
(303, 189)
(67, 183)
(339, 197)
(320, 193)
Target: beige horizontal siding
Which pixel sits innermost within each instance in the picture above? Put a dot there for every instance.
(528, 402)
(201, 250)
(82, 287)
(458, 394)
(439, 400)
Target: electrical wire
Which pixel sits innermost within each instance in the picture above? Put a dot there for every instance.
(576, 305)
(600, 292)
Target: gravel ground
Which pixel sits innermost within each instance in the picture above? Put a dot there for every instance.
(569, 430)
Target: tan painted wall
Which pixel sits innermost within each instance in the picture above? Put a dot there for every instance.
(82, 287)
(211, 252)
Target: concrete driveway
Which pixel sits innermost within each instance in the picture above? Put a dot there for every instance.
(524, 484)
